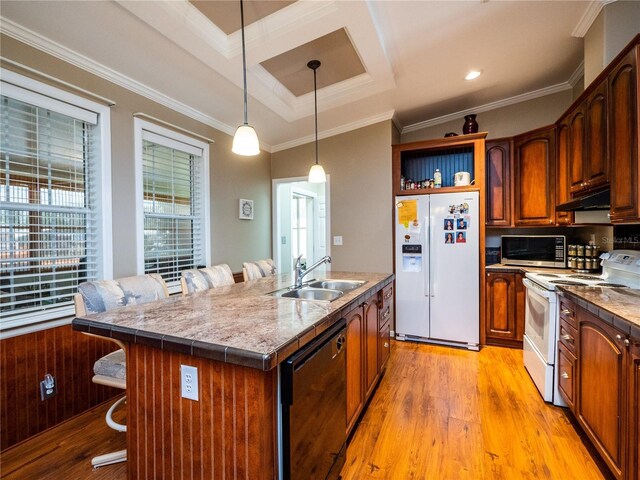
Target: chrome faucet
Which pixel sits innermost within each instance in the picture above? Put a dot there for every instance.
(300, 273)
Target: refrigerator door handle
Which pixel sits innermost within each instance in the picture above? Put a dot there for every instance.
(432, 278)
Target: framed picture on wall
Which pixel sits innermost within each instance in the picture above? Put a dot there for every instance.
(246, 209)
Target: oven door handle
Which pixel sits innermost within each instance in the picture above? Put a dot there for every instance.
(535, 288)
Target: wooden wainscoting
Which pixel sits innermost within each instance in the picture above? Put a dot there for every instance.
(228, 433)
(68, 356)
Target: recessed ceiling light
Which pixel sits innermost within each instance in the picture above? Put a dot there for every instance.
(473, 74)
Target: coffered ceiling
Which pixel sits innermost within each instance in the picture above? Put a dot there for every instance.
(380, 58)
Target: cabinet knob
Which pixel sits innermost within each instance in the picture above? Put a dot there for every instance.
(567, 337)
(565, 375)
(386, 344)
(626, 342)
(566, 311)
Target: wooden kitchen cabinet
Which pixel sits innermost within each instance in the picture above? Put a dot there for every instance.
(567, 375)
(505, 304)
(633, 407)
(499, 190)
(562, 170)
(623, 111)
(577, 149)
(596, 160)
(534, 181)
(384, 329)
(601, 370)
(355, 365)
(371, 344)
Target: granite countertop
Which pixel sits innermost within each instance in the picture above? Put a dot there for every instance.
(619, 307)
(237, 324)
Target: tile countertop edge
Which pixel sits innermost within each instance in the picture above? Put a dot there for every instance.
(228, 354)
(606, 315)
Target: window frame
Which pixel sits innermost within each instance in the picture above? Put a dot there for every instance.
(141, 125)
(35, 92)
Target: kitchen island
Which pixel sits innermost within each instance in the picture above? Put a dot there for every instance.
(235, 336)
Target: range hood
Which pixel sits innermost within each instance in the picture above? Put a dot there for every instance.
(595, 201)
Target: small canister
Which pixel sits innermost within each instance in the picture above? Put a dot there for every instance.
(580, 263)
(572, 250)
(591, 263)
(591, 251)
(580, 250)
(572, 263)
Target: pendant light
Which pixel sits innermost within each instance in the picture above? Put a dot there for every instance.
(245, 141)
(316, 174)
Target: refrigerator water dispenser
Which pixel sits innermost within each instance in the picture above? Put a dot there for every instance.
(411, 258)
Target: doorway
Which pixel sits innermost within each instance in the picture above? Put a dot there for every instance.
(300, 221)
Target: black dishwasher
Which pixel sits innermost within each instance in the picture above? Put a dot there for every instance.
(314, 414)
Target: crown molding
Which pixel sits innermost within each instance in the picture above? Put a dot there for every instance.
(72, 57)
(364, 122)
(576, 75)
(561, 87)
(589, 16)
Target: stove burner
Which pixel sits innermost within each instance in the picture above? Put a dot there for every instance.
(610, 285)
(568, 283)
(548, 275)
(585, 277)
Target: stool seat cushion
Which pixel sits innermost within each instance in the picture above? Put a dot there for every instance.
(112, 365)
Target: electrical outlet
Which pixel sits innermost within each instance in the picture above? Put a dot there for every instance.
(189, 382)
(48, 387)
(337, 240)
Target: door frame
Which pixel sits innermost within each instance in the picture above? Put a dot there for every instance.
(275, 225)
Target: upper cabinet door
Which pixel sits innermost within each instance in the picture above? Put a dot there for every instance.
(623, 138)
(577, 175)
(534, 162)
(499, 179)
(562, 170)
(596, 160)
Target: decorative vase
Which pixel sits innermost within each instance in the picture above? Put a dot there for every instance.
(470, 124)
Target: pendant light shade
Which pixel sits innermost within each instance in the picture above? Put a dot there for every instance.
(316, 174)
(245, 141)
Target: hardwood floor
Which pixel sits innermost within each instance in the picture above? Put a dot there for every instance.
(439, 413)
(442, 413)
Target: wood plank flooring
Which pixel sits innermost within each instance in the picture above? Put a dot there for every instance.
(438, 413)
(442, 413)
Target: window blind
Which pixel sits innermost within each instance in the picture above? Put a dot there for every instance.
(173, 206)
(48, 223)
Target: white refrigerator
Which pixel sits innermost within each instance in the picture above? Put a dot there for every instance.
(437, 259)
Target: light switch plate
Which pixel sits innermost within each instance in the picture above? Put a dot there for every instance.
(189, 382)
(337, 240)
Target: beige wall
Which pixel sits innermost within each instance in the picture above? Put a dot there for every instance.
(359, 165)
(231, 177)
(611, 31)
(506, 121)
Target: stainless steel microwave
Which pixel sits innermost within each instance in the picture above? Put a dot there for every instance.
(534, 250)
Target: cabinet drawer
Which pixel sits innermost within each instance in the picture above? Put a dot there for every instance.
(386, 295)
(566, 375)
(384, 346)
(568, 312)
(385, 315)
(568, 336)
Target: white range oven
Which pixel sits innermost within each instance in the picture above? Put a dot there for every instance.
(620, 269)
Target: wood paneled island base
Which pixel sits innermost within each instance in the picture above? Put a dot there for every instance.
(230, 432)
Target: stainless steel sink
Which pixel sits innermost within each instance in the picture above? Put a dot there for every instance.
(342, 285)
(308, 293)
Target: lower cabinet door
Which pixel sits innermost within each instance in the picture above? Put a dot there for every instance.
(566, 375)
(634, 410)
(355, 366)
(371, 345)
(384, 345)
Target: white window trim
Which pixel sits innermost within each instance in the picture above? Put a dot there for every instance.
(38, 93)
(168, 136)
